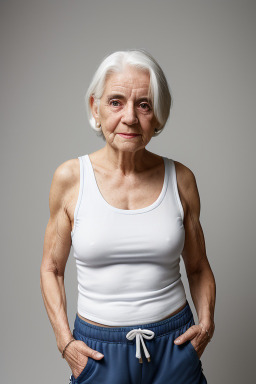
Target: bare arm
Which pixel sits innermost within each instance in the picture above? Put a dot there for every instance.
(57, 244)
(200, 276)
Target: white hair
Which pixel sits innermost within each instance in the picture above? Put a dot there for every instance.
(141, 59)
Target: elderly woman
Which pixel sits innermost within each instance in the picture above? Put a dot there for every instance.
(129, 214)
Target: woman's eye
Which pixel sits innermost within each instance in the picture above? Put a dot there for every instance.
(114, 101)
(145, 106)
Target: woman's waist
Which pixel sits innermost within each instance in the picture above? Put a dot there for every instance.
(173, 313)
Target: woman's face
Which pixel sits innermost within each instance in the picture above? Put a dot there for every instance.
(125, 108)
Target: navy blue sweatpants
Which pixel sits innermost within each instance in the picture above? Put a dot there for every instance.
(163, 362)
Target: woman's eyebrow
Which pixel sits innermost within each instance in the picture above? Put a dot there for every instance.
(115, 96)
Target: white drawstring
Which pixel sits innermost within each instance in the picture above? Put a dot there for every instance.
(140, 333)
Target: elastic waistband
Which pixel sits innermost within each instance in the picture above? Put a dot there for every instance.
(118, 334)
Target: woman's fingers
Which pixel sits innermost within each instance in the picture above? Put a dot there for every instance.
(80, 349)
(79, 367)
(188, 335)
(201, 348)
(197, 336)
(77, 356)
(93, 354)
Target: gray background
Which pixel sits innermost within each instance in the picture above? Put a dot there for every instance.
(49, 52)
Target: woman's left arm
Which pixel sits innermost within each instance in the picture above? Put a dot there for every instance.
(200, 276)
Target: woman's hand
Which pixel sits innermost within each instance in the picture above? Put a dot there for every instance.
(77, 354)
(199, 337)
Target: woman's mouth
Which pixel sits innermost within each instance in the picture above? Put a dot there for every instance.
(128, 135)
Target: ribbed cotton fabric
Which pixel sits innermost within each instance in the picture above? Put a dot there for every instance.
(127, 261)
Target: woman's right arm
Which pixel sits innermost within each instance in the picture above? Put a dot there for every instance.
(56, 249)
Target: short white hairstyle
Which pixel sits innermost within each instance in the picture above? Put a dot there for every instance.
(159, 91)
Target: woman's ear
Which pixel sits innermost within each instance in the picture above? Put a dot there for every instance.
(94, 104)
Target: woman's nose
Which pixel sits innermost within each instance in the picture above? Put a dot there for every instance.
(129, 114)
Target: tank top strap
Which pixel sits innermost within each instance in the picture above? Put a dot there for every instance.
(88, 190)
(80, 194)
(92, 189)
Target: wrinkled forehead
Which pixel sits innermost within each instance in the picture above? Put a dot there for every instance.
(130, 81)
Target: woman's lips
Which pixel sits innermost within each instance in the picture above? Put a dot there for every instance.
(128, 136)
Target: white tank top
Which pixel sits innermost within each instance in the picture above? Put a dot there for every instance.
(127, 261)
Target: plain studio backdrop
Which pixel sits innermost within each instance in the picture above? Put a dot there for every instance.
(49, 52)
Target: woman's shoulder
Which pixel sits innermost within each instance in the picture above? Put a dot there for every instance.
(66, 176)
(185, 175)
(187, 185)
(67, 171)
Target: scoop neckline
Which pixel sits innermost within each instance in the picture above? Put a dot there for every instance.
(133, 211)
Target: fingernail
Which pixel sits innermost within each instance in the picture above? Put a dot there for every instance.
(99, 354)
(177, 341)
